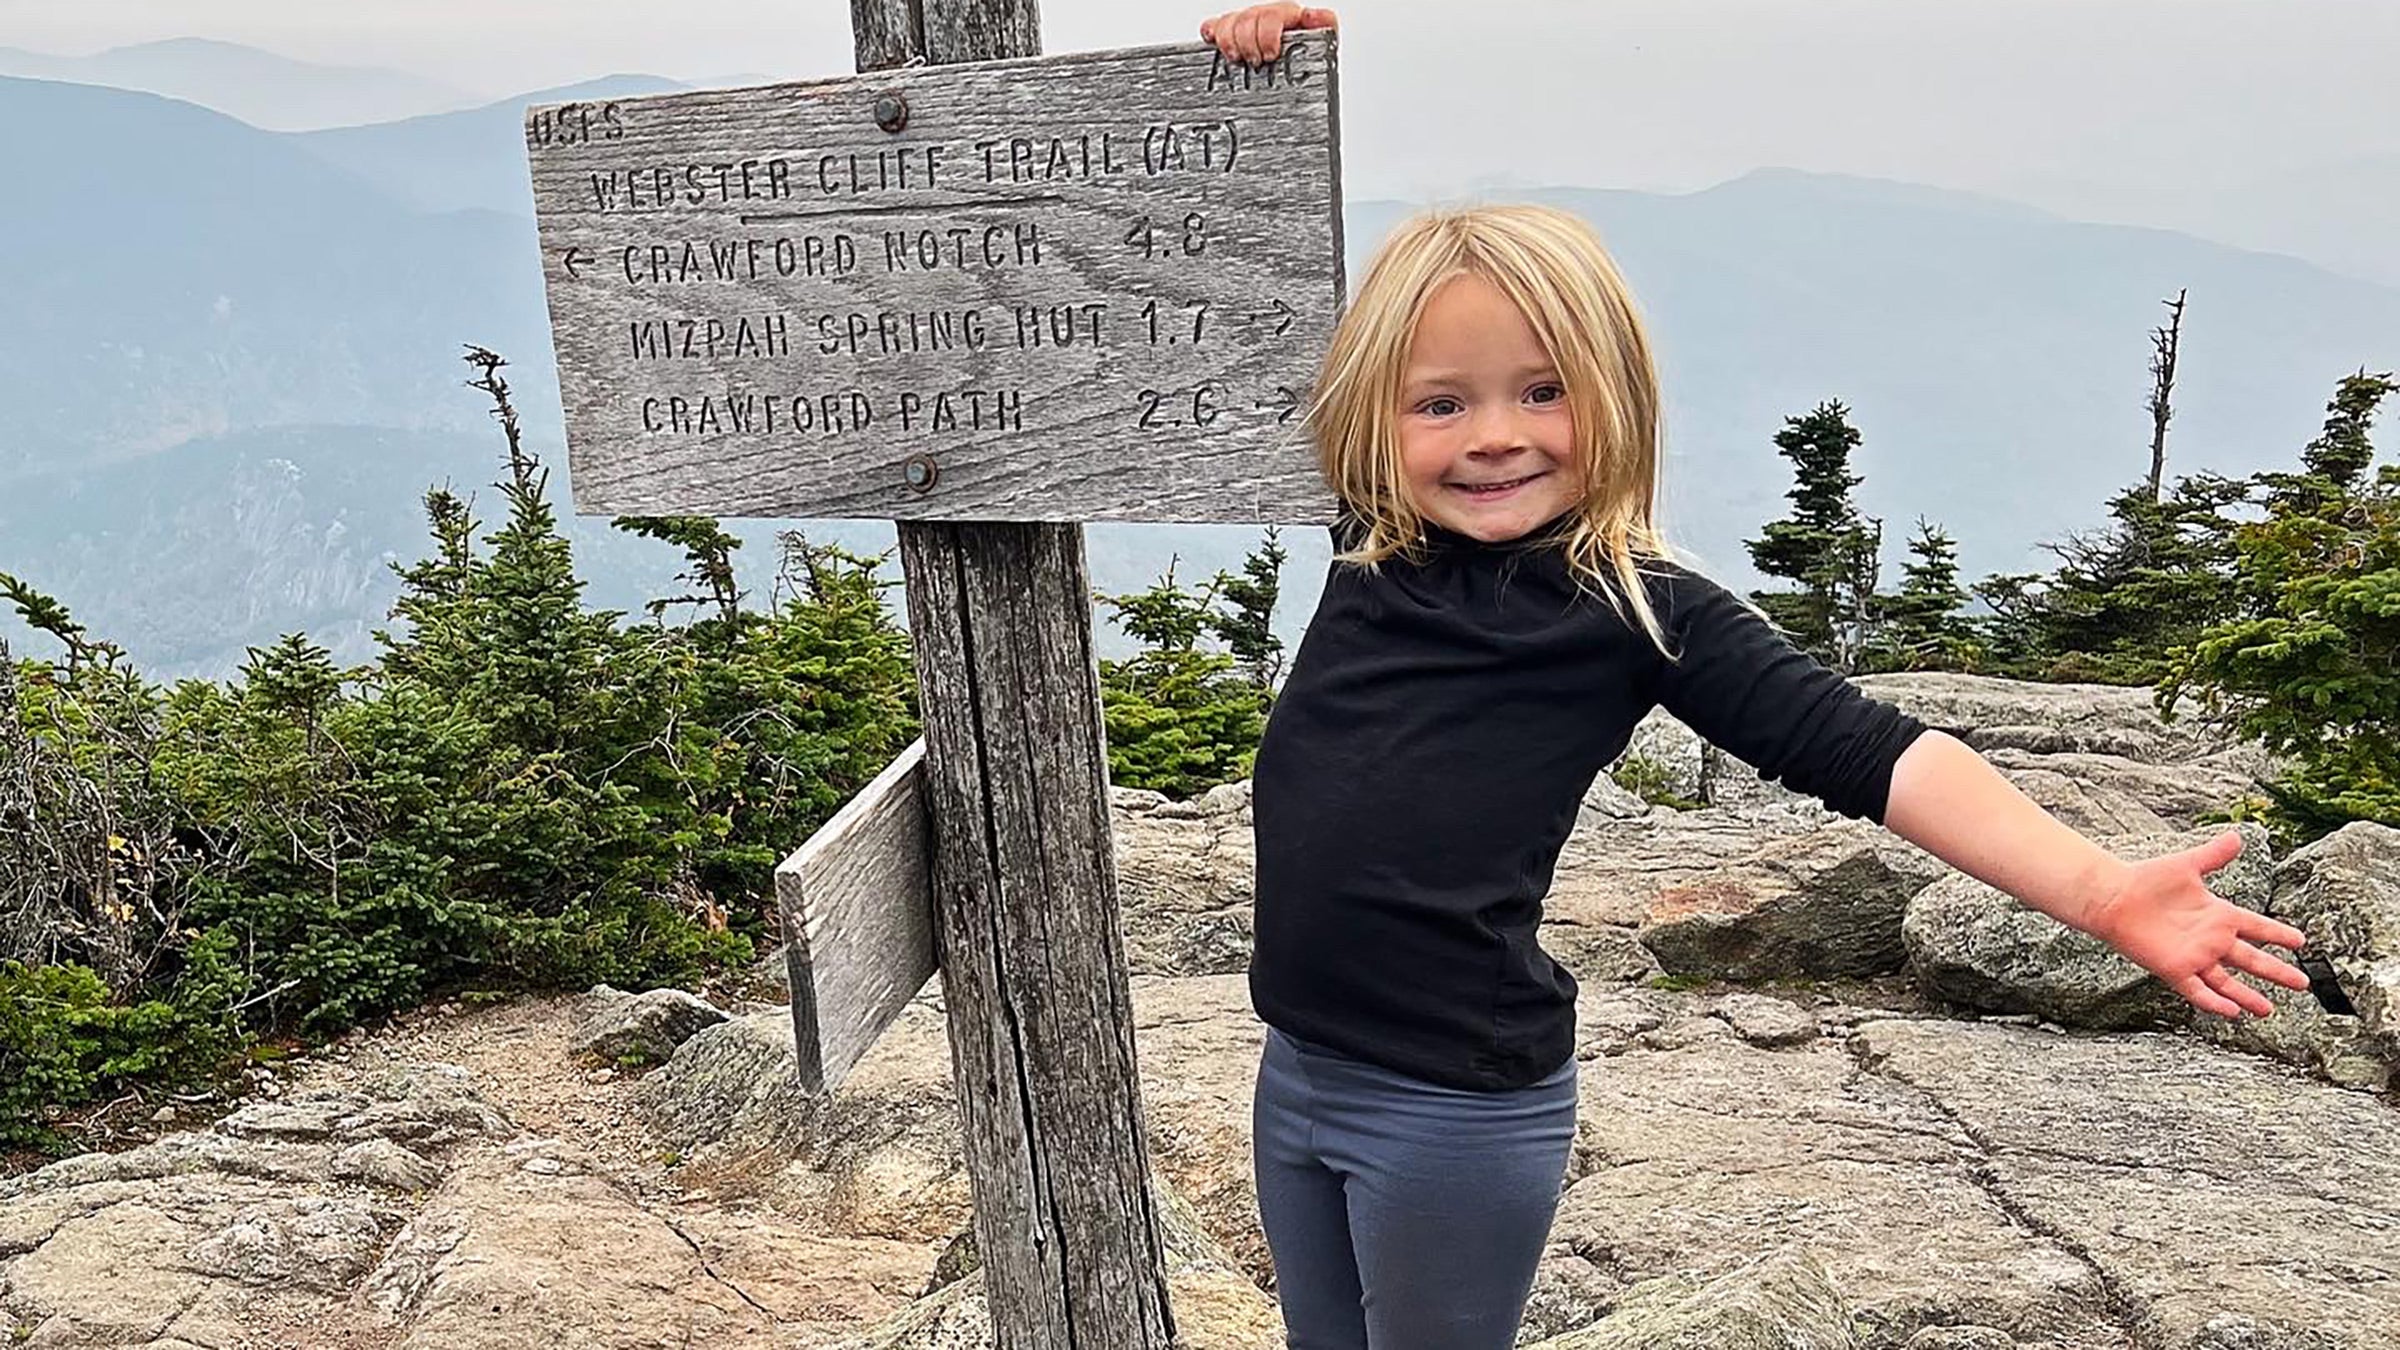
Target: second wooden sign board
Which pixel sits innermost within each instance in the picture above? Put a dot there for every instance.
(1072, 288)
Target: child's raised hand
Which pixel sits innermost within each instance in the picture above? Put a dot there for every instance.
(2167, 921)
(1254, 36)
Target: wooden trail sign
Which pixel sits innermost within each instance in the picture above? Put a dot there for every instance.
(786, 301)
(857, 906)
(1088, 287)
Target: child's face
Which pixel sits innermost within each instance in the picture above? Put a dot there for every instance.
(1482, 407)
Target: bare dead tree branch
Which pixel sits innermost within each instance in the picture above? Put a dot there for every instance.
(2166, 342)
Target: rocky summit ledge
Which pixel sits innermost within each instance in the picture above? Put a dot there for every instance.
(1833, 1097)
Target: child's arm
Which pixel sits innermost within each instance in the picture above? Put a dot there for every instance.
(1949, 801)
(1254, 36)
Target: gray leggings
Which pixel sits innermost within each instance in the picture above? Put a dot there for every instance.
(1401, 1214)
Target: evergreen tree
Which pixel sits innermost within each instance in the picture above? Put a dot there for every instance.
(519, 794)
(1823, 547)
(2126, 594)
(708, 551)
(2307, 665)
(1248, 632)
(1181, 719)
(1921, 626)
(2123, 596)
(2011, 634)
(2332, 465)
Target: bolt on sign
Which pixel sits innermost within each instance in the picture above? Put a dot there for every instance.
(1071, 288)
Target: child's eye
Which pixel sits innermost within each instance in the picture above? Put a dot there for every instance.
(1438, 407)
(1557, 391)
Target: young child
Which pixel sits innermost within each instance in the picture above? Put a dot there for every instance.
(1500, 613)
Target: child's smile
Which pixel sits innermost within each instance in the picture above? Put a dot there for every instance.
(1486, 438)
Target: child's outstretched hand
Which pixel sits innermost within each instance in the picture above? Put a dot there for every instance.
(1254, 36)
(2162, 917)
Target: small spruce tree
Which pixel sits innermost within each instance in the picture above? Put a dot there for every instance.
(1181, 718)
(1921, 627)
(1824, 547)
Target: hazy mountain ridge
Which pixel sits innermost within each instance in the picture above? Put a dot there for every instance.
(447, 161)
(2341, 210)
(190, 275)
(256, 86)
(2345, 214)
(251, 296)
(1994, 358)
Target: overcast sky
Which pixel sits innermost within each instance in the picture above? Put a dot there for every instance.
(1655, 94)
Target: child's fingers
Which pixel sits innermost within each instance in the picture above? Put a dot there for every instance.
(1219, 31)
(1271, 37)
(1255, 34)
(2259, 928)
(2225, 982)
(1229, 34)
(2200, 996)
(2249, 958)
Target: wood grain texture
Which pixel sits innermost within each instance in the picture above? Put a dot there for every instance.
(888, 34)
(980, 30)
(857, 902)
(1085, 287)
(1033, 959)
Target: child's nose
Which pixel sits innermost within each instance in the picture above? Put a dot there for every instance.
(1500, 432)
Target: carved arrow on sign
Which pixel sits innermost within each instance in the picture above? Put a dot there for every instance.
(1283, 313)
(575, 258)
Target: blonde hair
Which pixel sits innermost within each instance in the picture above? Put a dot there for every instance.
(1552, 266)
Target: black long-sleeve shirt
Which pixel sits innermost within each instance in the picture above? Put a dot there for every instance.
(1424, 762)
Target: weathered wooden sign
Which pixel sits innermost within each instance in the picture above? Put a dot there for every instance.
(1087, 287)
(857, 905)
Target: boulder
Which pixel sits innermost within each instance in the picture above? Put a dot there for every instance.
(1979, 947)
(878, 1157)
(274, 1214)
(1184, 881)
(2343, 891)
(1214, 1304)
(642, 1028)
(1825, 903)
(2048, 719)
(2222, 1200)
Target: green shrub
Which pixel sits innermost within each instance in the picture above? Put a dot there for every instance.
(65, 1040)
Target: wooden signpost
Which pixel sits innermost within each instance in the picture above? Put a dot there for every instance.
(989, 297)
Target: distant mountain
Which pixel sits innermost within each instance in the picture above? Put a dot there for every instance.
(454, 161)
(259, 87)
(199, 304)
(181, 274)
(193, 555)
(2344, 215)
